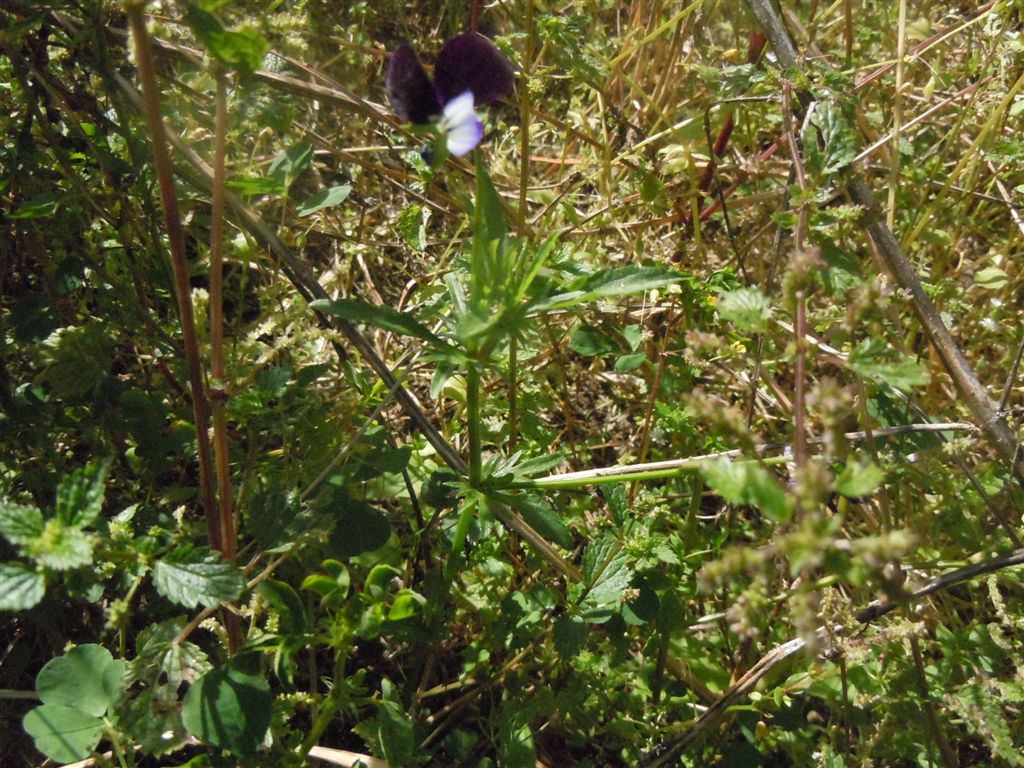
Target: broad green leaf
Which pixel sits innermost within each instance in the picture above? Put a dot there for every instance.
(276, 521)
(591, 342)
(627, 363)
(62, 547)
(570, 633)
(360, 528)
(325, 198)
(992, 278)
(242, 49)
(390, 731)
(40, 207)
(178, 662)
(86, 678)
(543, 518)
(829, 141)
(859, 479)
(293, 161)
(746, 308)
(33, 318)
(229, 709)
(20, 524)
(332, 587)
(80, 494)
(748, 483)
(873, 360)
(411, 226)
(21, 587)
(192, 576)
(63, 734)
(606, 576)
(406, 605)
(155, 727)
(286, 604)
(388, 318)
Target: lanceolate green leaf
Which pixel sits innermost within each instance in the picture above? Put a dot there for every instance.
(387, 318)
(609, 283)
(325, 198)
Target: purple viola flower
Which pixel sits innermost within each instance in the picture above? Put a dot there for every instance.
(469, 72)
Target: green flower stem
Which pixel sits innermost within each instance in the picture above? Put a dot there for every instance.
(331, 704)
(609, 475)
(473, 423)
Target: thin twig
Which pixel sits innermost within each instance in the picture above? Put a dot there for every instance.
(973, 393)
(176, 239)
(667, 752)
(671, 467)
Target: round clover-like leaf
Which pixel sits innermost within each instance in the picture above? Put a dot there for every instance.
(86, 678)
(63, 733)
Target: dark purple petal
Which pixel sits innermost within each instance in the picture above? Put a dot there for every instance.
(470, 62)
(409, 89)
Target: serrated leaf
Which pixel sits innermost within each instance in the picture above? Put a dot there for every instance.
(746, 308)
(748, 483)
(21, 587)
(242, 49)
(411, 226)
(390, 731)
(873, 360)
(387, 318)
(859, 479)
(570, 633)
(62, 547)
(86, 678)
(229, 709)
(192, 576)
(829, 141)
(80, 494)
(360, 528)
(607, 575)
(154, 723)
(161, 655)
(277, 521)
(63, 734)
(325, 198)
(20, 524)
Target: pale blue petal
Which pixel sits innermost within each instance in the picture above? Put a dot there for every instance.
(461, 124)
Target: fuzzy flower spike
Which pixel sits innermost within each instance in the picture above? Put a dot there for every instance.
(469, 72)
